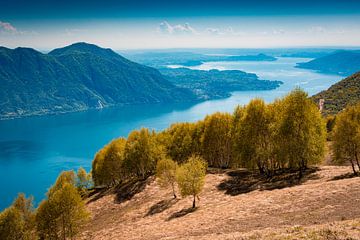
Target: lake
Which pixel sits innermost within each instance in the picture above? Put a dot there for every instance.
(34, 150)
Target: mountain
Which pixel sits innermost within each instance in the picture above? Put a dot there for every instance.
(339, 95)
(216, 84)
(77, 77)
(340, 62)
(163, 59)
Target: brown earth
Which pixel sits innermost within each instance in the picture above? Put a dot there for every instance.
(234, 205)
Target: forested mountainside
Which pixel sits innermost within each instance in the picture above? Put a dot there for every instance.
(340, 62)
(338, 96)
(77, 77)
(216, 84)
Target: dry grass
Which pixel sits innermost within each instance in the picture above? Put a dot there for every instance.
(321, 206)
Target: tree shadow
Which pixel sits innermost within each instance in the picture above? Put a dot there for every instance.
(125, 191)
(96, 194)
(161, 206)
(244, 181)
(344, 176)
(182, 213)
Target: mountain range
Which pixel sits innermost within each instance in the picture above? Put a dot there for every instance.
(84, 76)
(344, 62)
(77, 77)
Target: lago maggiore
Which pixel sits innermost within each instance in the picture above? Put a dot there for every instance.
(34, 150)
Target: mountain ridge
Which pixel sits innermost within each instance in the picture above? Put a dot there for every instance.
(342, 62)
(77, 77)
(338, 96)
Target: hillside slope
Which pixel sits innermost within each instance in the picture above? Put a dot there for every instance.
(340, 62)
(233, 205)
(214, 84)
(77, 77)
(345, 92)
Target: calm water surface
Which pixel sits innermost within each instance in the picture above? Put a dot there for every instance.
(34, 150)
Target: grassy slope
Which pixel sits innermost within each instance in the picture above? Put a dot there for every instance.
(345, 92)
(234, 205)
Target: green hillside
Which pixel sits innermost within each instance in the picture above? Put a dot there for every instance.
(78, 77)
(339, 95)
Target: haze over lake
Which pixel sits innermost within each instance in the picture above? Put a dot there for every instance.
(34, 150)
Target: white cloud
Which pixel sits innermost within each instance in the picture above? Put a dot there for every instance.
(213, 31)
(166, 28)
(7, 27)
(278, 31)
(317, 29)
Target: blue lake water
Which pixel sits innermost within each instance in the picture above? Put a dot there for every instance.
(34, 150)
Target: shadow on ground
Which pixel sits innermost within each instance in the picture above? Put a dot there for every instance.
(161, 206)
(123, 191)
(126, 191)
(96, 194)
(344, 176)
(182, 213)
(244, 181)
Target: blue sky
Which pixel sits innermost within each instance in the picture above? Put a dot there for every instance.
(125, 24)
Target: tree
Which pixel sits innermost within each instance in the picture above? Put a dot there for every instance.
(190, 177)
(181, 141)
(216, 140)
(11, 224)
(97, 170)
(253, 136)
(347, 136)
(63, 213)
(18, 221)
(142, 153)
(65, 177)
(300, 131)
(166, 173)
(83, 180)
(107, 166)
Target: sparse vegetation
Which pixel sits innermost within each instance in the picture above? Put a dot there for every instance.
(190, 177)
(166, 173)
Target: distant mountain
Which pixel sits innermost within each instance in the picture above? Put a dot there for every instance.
(339, 95)
(77, 77)
(163, 59)
(216, 84)
(340, 62)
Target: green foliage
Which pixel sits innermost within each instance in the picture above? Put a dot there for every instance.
(301, 133)
(340, 95)
(83, 180)
(216, 84)
(11, 224)
(346, 136)
(288, 133)
(63, 214)
(166, 173)
(253, 136)
(190, 177)
(142, 153)
(182, 140)
(108, 163)
(18, 221)
(78, 77)
(65, 177)
(216, 140)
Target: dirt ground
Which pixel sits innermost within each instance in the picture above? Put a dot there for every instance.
(233, 205)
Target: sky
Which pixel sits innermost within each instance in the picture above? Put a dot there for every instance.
(146, 24)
